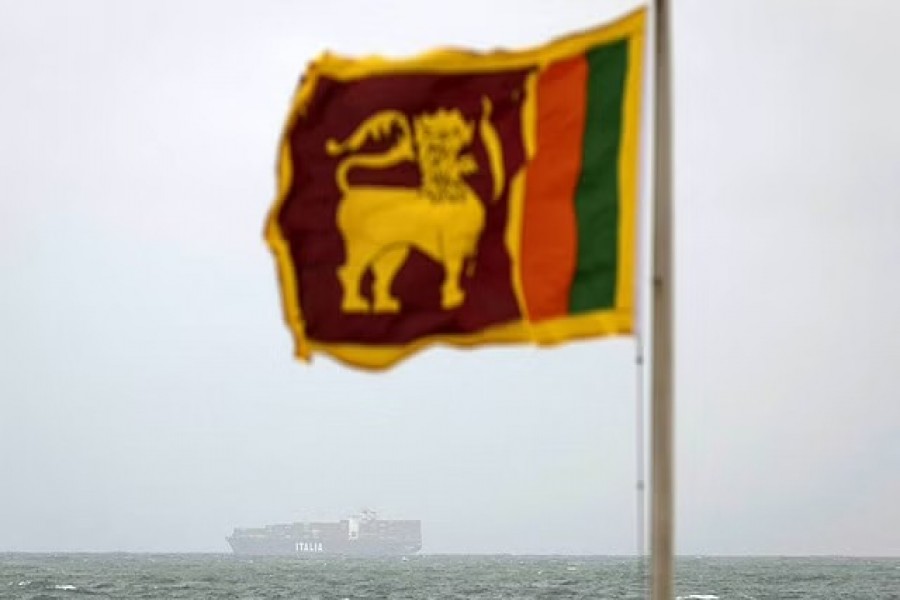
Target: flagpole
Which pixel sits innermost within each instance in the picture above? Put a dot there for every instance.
(662, 357)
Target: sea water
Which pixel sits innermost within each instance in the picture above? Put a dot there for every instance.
(198, 576)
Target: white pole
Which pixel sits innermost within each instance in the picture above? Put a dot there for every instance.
(662, 478)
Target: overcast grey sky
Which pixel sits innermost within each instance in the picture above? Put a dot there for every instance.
(148, 398)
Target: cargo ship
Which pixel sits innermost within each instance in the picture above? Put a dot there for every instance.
(360, 535)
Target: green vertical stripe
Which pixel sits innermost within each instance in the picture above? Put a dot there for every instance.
(597, 195)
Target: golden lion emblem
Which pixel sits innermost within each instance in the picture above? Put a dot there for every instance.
(443, 217)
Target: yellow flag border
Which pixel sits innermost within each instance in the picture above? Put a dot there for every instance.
(618, 320)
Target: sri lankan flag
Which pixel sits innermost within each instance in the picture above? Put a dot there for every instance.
(461, 198)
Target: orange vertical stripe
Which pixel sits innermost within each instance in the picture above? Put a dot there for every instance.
(549, 234)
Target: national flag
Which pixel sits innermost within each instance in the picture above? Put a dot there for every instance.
(461, 198)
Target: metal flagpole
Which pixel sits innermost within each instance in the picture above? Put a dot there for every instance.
(662, 478)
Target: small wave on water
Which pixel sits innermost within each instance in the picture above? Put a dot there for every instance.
(65, 586)
(698, 597)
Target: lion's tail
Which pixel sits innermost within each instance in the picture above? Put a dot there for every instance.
(379, 125)
(494, 149)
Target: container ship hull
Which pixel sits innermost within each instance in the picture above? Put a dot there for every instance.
(349, 537)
